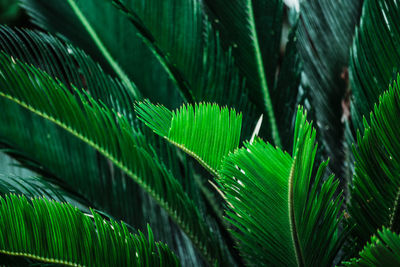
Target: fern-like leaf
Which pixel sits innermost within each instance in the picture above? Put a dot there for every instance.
(85, 119)
(204, 131)
(282, 214)
(376, 181)
(56, 233)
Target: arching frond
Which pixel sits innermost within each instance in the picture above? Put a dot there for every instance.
(85, 119)
(56, 233)
(206, 131)
(282, 214)
(382, 250)
(325, 35)
(375, 193)
(375, 56)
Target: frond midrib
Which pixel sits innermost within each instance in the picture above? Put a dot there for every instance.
(39, 258)
(292, 218)
(96, 39)
(164, 204)
(261, 74)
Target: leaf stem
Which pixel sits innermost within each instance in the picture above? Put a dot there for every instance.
(292, 218)
(119, 71)
(261, 74)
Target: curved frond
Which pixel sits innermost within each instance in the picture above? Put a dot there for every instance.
(206, 132)
(68, 64)
(282, 214)
(375, 56)
(376, 179)
(382, 250)
(83, 117)
(57, 233)
(325, 35)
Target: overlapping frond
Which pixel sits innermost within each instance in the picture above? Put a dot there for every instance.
(375, 55)
(382, 250)
(83, 117)
(56, 233)
(110, 39)
(69, 65)
(375, 193)
(254, 29)
(204, 131)
(282, 214)
(325, 34)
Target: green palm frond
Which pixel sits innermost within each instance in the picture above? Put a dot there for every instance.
(382, 250)
(85, 118)
(375, 56)
(68, 64)
(375, 192)
(117, 47)
(325, 34)
(282, 214)
(254, 29)
(206, 132)
(56, 233)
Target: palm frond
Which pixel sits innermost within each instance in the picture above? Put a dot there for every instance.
(85, 118)
(206, 132)
(382, 250)
(374, 56)
(47, 150)
(127, 54)
(68, 64)
(254, 29)
(377, 161)
(325, 35)
(52, 232)
(282, 214)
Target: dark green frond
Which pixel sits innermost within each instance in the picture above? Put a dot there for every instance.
(282, 214)
(68, 64)
(375, 192)
(325, 34)
(382, 250)
(56, 233)
(110, 39)
(206, 132)
(85, 118)
(375, 56)
(253, 29)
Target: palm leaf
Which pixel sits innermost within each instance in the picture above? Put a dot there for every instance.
(376, 181)
(48, 231)
(88, 172)
(206, 131)
(325, 35)
(117, 47)
(282, 214)
(85, 119)
(374, 56)
(382, 250)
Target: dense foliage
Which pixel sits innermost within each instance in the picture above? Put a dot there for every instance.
(185, 133)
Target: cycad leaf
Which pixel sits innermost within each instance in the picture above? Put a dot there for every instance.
(325, 33)
(254, 30)
(204, 131)
(283, 215)
(86, 119)
(115, 34)
(51, 232)
(46, 149)
(382, 250)
(375, 55)
(376, 181)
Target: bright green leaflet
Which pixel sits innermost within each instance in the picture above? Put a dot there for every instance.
(53, 232)
(298, 226)
(205, 131)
